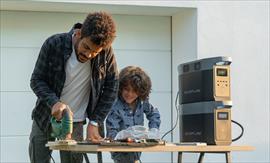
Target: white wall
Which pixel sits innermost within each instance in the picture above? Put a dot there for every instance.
(184, 49)
(241, 30)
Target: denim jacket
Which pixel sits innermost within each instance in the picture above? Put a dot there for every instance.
(121, 117)
(48, 78)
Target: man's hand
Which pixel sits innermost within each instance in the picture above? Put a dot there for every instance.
(57, 110)
(93, 134)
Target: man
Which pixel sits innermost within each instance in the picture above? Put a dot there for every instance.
(75, 70)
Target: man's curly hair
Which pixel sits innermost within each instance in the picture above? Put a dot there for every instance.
(137, 79)
(100, 27)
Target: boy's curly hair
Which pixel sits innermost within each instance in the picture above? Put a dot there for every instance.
(100, 27)
(137, 79)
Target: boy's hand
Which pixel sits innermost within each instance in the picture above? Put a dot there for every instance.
(93, 134)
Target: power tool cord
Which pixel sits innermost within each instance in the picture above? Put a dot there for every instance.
(177, 116)
(86, 158)
(52, 158)
(242, 130)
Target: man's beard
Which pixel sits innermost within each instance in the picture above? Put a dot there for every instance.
(77, 53)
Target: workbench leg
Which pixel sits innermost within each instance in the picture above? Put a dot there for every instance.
(228, 157)
(99, 157)
(201, 157)
(179, 157)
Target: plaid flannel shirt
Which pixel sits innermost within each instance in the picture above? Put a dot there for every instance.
(48, 78)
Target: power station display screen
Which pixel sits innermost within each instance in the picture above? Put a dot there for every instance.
(222, 72)
(223, 116)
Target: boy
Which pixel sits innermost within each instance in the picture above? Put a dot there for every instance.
(134, 89)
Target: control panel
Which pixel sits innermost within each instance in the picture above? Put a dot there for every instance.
(222, 86)
(223, 134)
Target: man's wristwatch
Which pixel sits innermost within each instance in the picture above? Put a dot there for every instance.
(94, 123)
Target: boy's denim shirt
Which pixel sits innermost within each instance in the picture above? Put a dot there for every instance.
(121, 117)
(48, 78)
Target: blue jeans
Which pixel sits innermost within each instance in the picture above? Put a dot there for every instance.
(125, 157)
(39, 153)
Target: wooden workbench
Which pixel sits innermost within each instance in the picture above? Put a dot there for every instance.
(202, 149)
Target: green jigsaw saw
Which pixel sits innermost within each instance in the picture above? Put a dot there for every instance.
(62, 129)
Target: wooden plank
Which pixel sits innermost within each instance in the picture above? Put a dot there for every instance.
(158, 148)
(176, 148)
(61, 143)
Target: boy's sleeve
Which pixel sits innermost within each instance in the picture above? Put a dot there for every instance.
(113, 123)
(152, 114)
